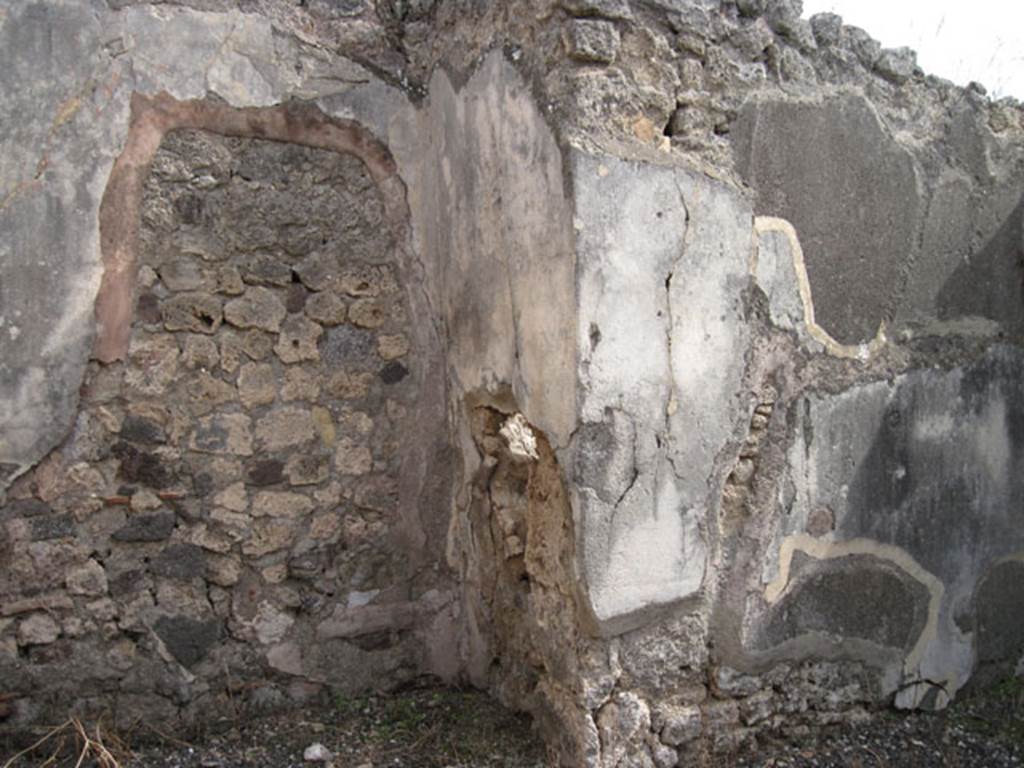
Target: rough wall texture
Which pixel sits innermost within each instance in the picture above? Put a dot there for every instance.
(655, 365)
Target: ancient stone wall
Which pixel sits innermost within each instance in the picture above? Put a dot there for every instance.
(654, 365)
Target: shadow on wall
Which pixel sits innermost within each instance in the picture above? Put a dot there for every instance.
(990, 283)
(942, 480)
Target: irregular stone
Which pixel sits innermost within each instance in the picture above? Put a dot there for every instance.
(679, 724)
(325, 526)
(194, 312)
(268, 535)
(286, 427)
(733, 683)
(48, 527)
(751, 8)
(753, 40)
(298, 340)
(349, 386)
(261, 269)
(223, 570)
(360, 280)
(306, 470)
(393, 372)
(281, 504)
(139, 429)
(664, 756)
(317, 753)
(153, 364)
(188, 640)
(864, 46)
(324, 423)
(229, 280)
(896, 64)
(24, 508)
(355, 422)
(300, 384)
(234, 524)
(229, 433)
(181, 275)
(212, 540)
(142, 466)
(827, 28)
(206, 392)
(296, 300)
(144, 500)
(87, 579)
(784, 16)
(351, 458)
(257, 344)
(271, 624)
(346, 345)
(326, 308)
(257, 308)
(318, 271)
(179, 561)
(621, 721)
(757, 708)
(146, 527)
(286, 658)
(38, 629)
(592, 40)
(608, 9)
(257, 384)
(367, 313)
(265, 472)
(392, 346)
(233, 498)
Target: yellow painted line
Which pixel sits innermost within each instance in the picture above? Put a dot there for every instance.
(763, 224)
(822, 549)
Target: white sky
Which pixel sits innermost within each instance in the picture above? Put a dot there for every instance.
(960, 40)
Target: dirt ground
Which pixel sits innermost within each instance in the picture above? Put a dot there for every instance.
(435, 727)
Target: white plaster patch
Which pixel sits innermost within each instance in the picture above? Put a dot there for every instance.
(520, 438)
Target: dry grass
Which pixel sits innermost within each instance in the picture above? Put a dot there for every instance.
(72, 740)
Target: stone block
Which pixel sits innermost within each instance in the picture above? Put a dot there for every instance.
(38, 629)
(156, 526)
(89, 579)
(229, 433)
(298, 340)
(592, 40)
(896, 64)
(179, 561)
(367, 313)
(326, 308)
(264, 269)
(194, 312)
(284, 428)
(679, 724)
(259, 308)
(319, 271)
(280, 504)
(181, 275)
(257, 384)
(187, 639)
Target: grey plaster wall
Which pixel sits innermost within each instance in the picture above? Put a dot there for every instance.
(896, 233)
(921, 473)
(662, 264)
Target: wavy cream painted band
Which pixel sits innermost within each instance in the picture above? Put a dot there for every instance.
(821, 549)
(764, 224)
